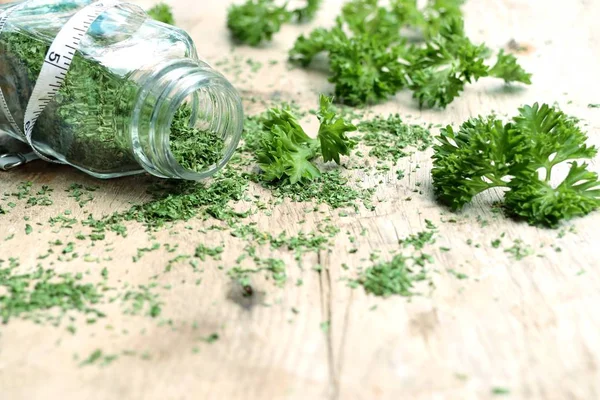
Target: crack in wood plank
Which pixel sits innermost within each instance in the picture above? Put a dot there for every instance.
(326, 311)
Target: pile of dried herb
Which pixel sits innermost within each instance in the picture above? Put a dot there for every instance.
(388, 138)
(194, 149)
(400, 275)
(45, 296)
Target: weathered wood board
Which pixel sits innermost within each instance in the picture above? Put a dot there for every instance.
(530, 326)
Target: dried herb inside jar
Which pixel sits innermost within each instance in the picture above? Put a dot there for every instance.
(194, 149)
(81, 121)
(85, 120)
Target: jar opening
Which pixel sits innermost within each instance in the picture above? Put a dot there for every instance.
(188, 120)
(204, 129)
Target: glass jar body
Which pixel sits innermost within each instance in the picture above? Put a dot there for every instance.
(113, 113)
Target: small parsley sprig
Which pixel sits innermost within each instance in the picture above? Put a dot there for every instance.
(162, 12)
(439, 71)
(520, 155)
(256, 21)
(286, 152)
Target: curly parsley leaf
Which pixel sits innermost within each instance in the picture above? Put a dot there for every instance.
(507, 68)
(256, 21)
(477, 157)
(285, 152)
(332, 132)
(162, 12)
(320, 40)
(540, 204)
(436, 14)
(308, 12)
(370, 60)
(440, 70)
(282, 155)
(520, 156)
(366, 17)
(554, 137)
(365, 72)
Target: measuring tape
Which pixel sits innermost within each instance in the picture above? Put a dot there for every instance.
(57, 61)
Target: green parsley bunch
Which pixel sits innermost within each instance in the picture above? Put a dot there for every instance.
(286, 153)
(256, 21)
(521, 156)
(370, 60)
(162, 12)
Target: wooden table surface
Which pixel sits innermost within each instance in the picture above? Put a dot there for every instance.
(531, 327)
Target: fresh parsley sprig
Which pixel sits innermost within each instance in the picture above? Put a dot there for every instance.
(162, 12)
(370, 60)
(520, 155)
(286, 152)
(256, 21)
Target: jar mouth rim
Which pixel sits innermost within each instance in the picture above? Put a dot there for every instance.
(168, 89)
(215, 83)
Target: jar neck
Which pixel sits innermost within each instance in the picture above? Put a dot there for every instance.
(213, 108)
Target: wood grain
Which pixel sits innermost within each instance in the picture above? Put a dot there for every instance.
(531, 326)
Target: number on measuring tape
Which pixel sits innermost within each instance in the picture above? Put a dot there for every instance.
(56, 65)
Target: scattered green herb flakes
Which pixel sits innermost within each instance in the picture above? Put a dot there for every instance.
(519, 250)
(178, 259)
(63, 221)
(28, 229)
(400, 275)
(26, 192)
(500, 391)
(203, 251)
(69, 248)
(394, 277)
(95, 356)
(144, 250)
(418, 240)
(82, 194)
(255, 66)
(591, 105)
(389, 138)
(331, 188)
(144, 299)
(275, 267)
(325, 326)
(98, 357)
(458, 275)
(179, 201)
(212, 338)
(45, 296)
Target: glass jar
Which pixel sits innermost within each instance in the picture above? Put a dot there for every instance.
(136, 97)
